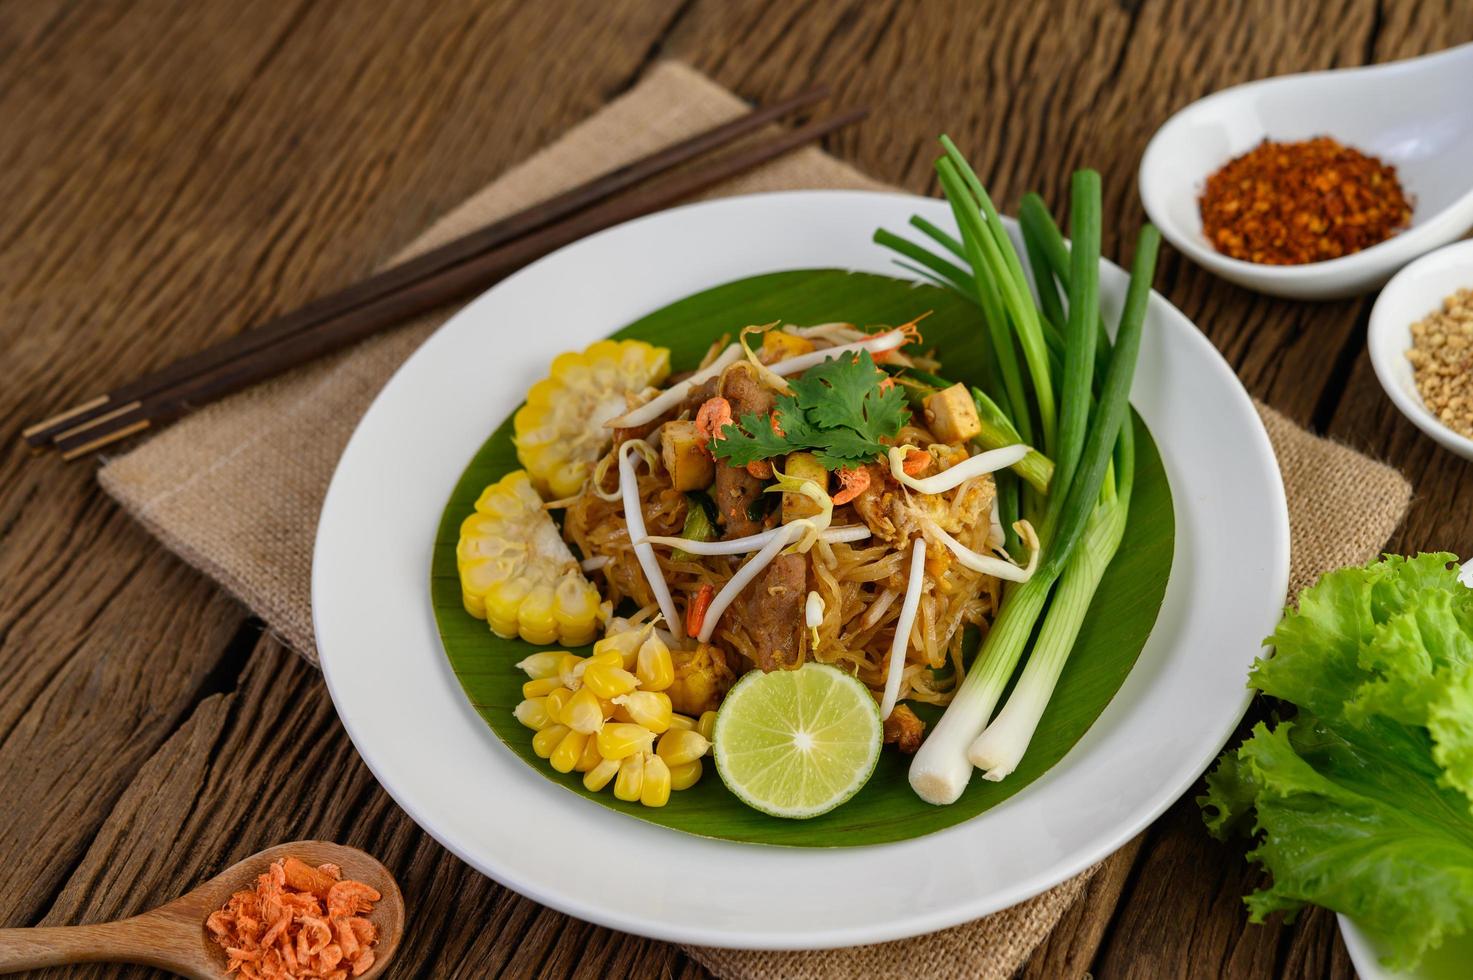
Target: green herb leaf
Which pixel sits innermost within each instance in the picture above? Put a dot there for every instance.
(837, 410)
(1362, 802)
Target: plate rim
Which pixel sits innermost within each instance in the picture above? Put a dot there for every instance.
(897, 926)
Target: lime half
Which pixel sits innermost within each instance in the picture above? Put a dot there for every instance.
(797, 743)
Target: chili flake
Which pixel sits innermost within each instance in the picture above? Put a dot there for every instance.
(1294, 203)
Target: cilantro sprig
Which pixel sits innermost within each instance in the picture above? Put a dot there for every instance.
(839, 410)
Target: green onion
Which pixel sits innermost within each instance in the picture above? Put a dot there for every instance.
(1089, 485)
(698, 524)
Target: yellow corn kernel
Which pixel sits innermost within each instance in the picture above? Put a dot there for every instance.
(503, 604)
(706, 725)
(609, 708)
(626, 644)
(534, 616)
(685, 775)
(533, 713)
(677, 747)
(598, 777)
(541, 687)
(648, 709)
(570, 671)
(619, 741)
(631, 777)
(583, 712)
(568, 751)
(682, 722)
(609, 682)
(557, 700)
(540, 665)
(653, 665)
(609, 658)
(590, 756)
(575, 604)
(654, 790)
(545, 741)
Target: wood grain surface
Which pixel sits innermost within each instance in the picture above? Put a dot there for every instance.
(173, 171)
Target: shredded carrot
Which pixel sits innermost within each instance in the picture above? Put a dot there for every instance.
(853, 483)
(916, 462)
(777, 428)
(713, 418)
(299, 921)
(695, 613)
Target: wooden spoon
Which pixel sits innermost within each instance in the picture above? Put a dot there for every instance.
(173, 936)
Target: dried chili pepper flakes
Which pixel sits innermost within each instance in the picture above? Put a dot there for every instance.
(1293, 203)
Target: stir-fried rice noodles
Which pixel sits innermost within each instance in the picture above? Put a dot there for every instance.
(861, 583)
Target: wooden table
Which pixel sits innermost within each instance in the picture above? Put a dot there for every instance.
(170, 171)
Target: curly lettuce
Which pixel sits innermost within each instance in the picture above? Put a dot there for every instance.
(1363, 802)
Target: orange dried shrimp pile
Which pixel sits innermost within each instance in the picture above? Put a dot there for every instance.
(299, 921)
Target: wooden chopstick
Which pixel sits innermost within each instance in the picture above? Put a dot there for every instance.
(131, 395)
(450, 283)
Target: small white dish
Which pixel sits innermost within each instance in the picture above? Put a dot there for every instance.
(1414, 115)
(1411, 295)
(411, 723)
(1447, 962)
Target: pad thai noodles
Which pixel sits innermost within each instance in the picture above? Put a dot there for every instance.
(785, 502)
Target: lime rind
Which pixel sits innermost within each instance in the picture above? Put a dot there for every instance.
(797, 743)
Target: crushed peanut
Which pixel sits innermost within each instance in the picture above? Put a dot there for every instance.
(1442, 359)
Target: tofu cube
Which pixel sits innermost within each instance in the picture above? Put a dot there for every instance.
(803, 466)
(951, 416)
(779, 346)
(686, 460)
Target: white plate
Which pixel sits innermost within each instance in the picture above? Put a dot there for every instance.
(410, 721)
(1411, 295)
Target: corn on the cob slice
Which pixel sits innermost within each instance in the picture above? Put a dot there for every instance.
(626, 642)
(706, 724)
(685, 722)
(517, 573)
(560, 432)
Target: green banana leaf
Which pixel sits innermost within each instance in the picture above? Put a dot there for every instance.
(1120, 619)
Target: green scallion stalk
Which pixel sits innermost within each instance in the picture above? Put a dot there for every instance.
(1079, 330)
(965, 191)
(1005, 354)
(936, 268)
(1110, 413)
(1001, 745)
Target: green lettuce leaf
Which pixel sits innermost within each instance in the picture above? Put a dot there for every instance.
(1363, 803)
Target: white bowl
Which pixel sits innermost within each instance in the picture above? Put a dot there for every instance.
(1448, 962)
(1412, 114)
(1415, 292)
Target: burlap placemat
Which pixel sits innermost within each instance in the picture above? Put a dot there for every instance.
(235, 489)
